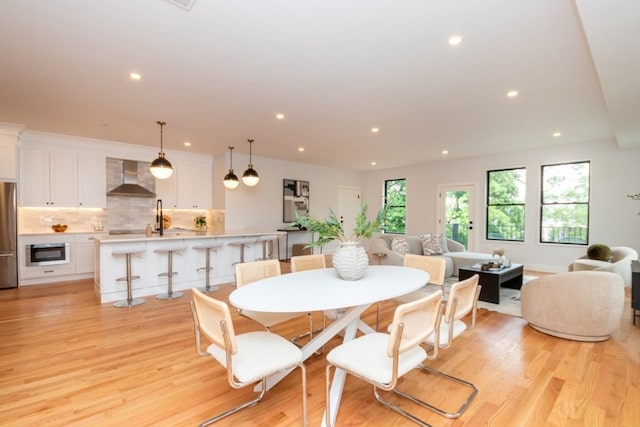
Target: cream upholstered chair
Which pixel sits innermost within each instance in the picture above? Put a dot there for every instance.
(462, 300)
(382, 359)
(620, 264)
(249, 272)
(580, 306)
(248, 358)
(307, 262)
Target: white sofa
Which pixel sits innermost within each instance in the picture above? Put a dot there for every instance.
(454, 254)
(620, 264)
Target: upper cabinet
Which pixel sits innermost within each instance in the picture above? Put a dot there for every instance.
(62, 179)
(9, 151)
(48, 179)
(188, 188)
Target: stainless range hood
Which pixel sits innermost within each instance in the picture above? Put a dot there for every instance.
(130, 186)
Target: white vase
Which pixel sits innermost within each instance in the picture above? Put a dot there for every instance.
(350, 260)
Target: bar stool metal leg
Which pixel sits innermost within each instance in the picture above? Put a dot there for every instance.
(170, 273)
(130, 301)
(207, 268)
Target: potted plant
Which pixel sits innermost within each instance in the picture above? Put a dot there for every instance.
(350, 259)
(200, 223)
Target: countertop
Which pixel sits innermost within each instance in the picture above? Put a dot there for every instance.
(179, 235)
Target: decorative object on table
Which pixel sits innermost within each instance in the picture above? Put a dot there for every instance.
(502, 260)
(231, 180)
(166, 222)
(161, 168)
(200, 222)
(59, 228)
(250, 176)
(350, 259)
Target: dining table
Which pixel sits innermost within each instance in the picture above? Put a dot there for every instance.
(323, 290)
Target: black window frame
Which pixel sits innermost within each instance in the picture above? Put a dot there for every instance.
(392, 207)
(543, 205)
(489, 204)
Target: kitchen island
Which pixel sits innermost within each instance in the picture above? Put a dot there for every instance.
(148, 263)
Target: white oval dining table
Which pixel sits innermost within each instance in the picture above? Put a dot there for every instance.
(321, 290)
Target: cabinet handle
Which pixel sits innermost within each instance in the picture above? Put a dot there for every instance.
(48, 271)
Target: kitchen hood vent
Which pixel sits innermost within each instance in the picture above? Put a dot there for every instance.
(130, 186)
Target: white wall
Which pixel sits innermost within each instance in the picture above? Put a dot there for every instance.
(260, 208)
(613, 216)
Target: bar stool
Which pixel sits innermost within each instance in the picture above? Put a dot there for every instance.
(170, 250)
(128, 252)
(268, 246)
(242, 244)
(208, 248)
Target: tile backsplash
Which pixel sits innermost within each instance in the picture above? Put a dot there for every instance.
(121, 213)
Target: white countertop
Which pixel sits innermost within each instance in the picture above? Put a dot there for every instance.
(179, 235)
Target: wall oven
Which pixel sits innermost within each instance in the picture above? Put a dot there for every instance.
(48, 254)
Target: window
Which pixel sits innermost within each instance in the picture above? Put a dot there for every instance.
(505, 204)
(395, 201)
(564, 213)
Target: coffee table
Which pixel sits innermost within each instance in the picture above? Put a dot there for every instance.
(491, 280)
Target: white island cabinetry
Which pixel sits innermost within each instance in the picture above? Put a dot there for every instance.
(148, 263)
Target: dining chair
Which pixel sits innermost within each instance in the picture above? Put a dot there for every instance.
(249, 272)
(248, 358)
(435, 266)
(311, 262)
(462, 300)
(381, 359)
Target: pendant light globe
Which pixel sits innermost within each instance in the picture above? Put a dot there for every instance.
(161, 167)
(250, 177)
(231, 180)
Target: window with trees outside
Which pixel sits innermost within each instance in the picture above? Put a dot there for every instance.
(564, 213)
(506, 204)
(395, 196)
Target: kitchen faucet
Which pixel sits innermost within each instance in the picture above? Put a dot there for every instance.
(159, 217)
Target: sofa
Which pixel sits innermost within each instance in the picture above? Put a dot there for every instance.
(454, 253)
(620, 263)
(580, 306)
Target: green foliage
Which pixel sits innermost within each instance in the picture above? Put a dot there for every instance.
(505, 210)
(395, 204)
(331, 228)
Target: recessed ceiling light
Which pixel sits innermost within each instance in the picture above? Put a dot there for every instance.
(301, 149)
(187, 144)
(280, 116)
(375, 130)
(512, 93)
(557, 134)
(445, 152)
(373, 163)
(455, 40)
(135, 76)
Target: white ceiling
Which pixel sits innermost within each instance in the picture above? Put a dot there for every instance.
(220, 72)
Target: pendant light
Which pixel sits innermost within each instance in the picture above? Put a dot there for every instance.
(230, 179)
(250, 176)
(161, 168)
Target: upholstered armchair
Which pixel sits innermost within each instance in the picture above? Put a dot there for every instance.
(620, 263)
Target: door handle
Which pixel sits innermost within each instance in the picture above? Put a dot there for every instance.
(6, 255)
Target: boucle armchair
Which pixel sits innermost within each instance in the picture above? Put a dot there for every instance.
(580, 306)
(621, 258)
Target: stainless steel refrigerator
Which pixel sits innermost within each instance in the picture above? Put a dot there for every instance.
(8, 236)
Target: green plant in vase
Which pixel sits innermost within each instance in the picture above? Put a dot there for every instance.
(350, 259)
(200, 222)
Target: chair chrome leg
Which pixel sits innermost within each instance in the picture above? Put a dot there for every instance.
(398, 410)
(459, 411)
(236, 408)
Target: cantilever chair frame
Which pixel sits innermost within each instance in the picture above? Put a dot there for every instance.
(229, 337)
(450, 316)
(309, 264)
(396, 346)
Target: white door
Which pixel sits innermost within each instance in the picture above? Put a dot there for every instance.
(348, 207)
(456, 213)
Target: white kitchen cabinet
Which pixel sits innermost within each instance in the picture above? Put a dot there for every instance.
(189, 187)
(8, 156)
(85, 252)
(92, 181)
(48, 179)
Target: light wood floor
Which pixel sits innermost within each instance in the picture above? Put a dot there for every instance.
(67, 360)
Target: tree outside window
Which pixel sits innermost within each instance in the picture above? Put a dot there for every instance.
(506, 204)
(564, 216)
(395, 196)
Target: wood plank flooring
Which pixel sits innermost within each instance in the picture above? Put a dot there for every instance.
(67, 360)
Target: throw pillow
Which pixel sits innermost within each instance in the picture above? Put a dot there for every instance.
(599, 252)
(400, 245)
(431, 244)
(442, 239)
